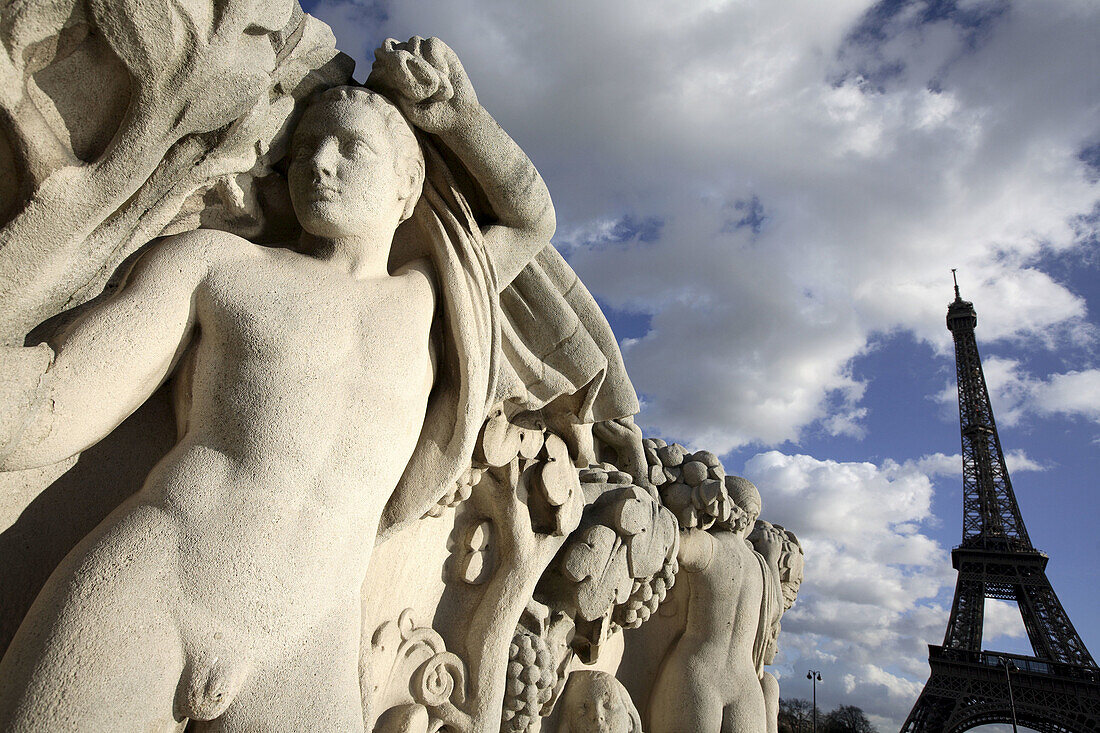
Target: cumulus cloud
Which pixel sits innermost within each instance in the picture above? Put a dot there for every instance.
(772, 186)
(875, 587)
(1016, 394)
(815, 171)
(939, 464)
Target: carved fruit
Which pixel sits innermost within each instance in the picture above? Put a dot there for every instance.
(694, 472)
(530, 683)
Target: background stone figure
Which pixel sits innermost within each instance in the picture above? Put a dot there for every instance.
(710, 678)
(767, 539)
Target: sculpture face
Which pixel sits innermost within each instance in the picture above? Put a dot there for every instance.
(343, 173)
(597, 708)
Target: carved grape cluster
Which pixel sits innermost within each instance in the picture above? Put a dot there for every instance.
(646, 596)
(530, 684)
(605, 473)
(459, 492)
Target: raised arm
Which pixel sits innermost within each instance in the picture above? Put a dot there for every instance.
(427, 82)
(110, 360)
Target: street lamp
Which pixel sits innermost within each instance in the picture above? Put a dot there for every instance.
(815, 676)
(1009, 667)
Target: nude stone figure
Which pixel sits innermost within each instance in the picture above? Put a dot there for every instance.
(227, 589)
(709, 681)
(774, 542)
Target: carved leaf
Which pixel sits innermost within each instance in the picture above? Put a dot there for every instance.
(500, 440)
(598, 565)
(556, 501)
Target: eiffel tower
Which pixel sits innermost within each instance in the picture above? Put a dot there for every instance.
(1057, 690)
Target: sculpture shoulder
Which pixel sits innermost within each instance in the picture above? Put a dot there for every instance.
(419, 274)
(696, 550)
(191, 255)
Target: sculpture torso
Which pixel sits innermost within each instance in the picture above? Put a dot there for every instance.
(307, 393)
(732, 579)
(708, 679)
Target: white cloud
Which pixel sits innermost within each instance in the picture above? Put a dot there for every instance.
(871, 190)
(1015, 394)
(1002, 620)
(1073, 393)
(938, 464)
(875, 580)
(1017, 461)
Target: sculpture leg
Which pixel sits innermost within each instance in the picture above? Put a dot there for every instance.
(99, 650)
(314, 687)
(770, 686)
(684, 701)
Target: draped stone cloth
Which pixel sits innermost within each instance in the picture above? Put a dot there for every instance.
(771, 608)
(539, 344)
(558, 343)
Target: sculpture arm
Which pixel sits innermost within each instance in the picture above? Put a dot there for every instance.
(768, 543)
(113, 357)
(525, 217)
(426, 81)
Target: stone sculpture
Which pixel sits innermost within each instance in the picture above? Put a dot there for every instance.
(400, 487)
(711, 680)
(243, 617)
(596, 702)
(765, 538)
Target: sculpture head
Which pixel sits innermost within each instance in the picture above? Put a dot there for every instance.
(791, 567)
(596, 702)
(746, 503)
(355, 164)
(779, 544)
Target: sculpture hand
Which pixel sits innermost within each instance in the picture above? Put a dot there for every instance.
(625, 438)
(425, 79)
(769, 543)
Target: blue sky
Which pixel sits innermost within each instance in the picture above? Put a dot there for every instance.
(768, 198)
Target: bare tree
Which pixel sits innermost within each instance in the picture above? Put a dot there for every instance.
(795, 715)
(847, 719)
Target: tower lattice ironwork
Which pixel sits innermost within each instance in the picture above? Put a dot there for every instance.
(1058, 689)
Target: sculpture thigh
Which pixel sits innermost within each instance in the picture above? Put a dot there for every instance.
(770, 685)
(685, 698)
(100, 649)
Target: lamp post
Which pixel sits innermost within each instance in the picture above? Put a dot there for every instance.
(1009, 667)
(814, 676)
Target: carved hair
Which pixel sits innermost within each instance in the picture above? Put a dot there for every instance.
(745, 495)
(409, 159)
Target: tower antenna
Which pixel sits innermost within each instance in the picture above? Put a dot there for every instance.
(957, 296)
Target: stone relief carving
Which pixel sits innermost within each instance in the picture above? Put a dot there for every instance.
(405, 490)
(596, 702)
